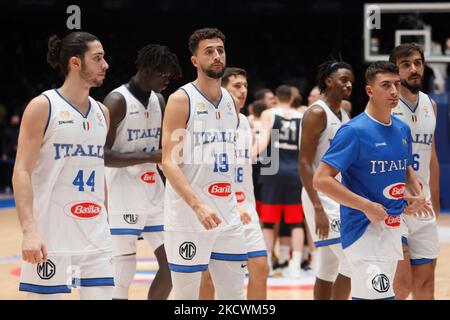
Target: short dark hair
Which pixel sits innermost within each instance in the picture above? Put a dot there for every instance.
(261, 93)
(258, 107)
(404, 50)
(326, 69)
(284, 93)
(229, 72)
(159, 58)
(61, 50)
(202, 34)
(379, 67)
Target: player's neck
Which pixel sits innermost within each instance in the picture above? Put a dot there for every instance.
(76, 91)
(408, 95)
(211, 88)
(333, 101)
(379, 113)
(284, 105)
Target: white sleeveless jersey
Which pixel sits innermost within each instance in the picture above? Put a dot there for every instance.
(68, 180)
(136, 189)
(332, 125)
(245, 194)
(208, 163)
(422, 122)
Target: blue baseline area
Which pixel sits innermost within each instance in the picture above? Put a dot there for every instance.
(7, 203)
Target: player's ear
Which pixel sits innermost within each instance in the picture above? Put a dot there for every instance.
(74, 63)
(369, 90)
(194, 61)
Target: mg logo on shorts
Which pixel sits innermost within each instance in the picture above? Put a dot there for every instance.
(130, 218)
(187, 250)
(381, 283)
(46, 270)
(394, 191)
(336, 225)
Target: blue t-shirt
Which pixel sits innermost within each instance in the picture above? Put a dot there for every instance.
(372, 158)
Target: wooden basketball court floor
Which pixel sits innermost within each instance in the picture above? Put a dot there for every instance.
(278, 287)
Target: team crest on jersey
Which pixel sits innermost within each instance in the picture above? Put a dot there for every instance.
(229, 108)
(426, 111)
(64, 117)
(131, 218)
(46, 270)
(201, 108)
(134, 109)
(83, 210)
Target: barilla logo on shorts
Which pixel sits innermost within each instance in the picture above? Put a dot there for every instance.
(148, 177)
(394, 191)
(85, 210)
(220, 189)
(240, 196)
(393, 221)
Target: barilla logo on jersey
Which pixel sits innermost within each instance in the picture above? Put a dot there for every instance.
(85, 210)
(240, 196)
(220, 189)
(149, 177)
(393, 221)
(394, 191)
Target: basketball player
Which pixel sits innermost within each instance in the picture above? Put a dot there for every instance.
(59, 179)
(202, 223)
(421, 243)
(314, 95)
(132, 152)
(235, 81)
(280, 193)
(320, 123)
(373, 154)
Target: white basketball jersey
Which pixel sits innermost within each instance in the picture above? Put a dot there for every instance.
(208, 163)
(68, 180)
(332, 125)
(422, 121)
(136, 189)
(244, 180)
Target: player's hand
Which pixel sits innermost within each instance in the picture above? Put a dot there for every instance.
(322, 224)
(33, 248)
(375, 212)
(243, 213)
(418, 206)
(207, 216)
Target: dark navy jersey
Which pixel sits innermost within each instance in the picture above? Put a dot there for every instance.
(372, 158)
(287, 144)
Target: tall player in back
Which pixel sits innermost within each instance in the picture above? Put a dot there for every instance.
(202, 224)
(59, 178)
(132, 152)
(420, 242)
(320, 123)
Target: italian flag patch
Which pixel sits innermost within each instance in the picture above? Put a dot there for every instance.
(218, 115)
(414, 118)
(86, 125)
